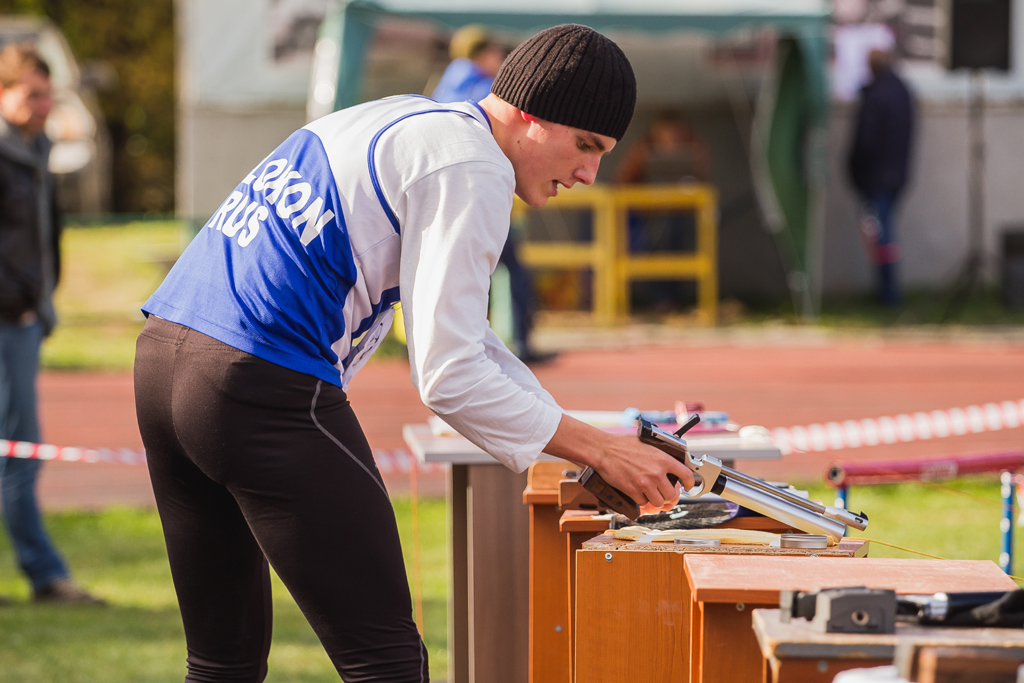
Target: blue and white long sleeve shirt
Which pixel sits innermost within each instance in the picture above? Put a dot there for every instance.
(400, 199)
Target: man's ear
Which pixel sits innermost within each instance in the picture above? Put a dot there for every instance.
(529, 118)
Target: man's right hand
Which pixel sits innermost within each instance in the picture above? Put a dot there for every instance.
(638, 470)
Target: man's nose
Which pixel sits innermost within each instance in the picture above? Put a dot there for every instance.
(587, 172)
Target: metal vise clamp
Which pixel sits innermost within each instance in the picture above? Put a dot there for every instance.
(842, 610)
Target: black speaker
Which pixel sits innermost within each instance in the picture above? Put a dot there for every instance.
(977, 34)
(1013, 268)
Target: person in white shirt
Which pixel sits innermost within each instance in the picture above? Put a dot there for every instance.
(254, 452)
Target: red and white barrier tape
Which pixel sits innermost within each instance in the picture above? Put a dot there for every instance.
(42, 451)
(937, 424)
(397, 461)
(830, 436)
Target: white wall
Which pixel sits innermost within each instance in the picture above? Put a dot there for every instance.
(217, 147)
(226, 56)
(235, 102)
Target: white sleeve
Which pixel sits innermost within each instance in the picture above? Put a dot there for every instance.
(454, 223)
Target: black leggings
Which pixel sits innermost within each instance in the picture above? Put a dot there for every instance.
(251, 461)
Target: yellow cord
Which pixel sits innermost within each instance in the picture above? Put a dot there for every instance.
(898, 547)
(417, 573)
(916, 552)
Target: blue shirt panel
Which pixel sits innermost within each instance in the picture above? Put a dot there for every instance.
(463, 81)
(248, 280)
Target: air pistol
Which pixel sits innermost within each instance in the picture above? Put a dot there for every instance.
(711, 476)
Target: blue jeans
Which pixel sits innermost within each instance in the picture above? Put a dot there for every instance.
(887, 248)
(19, 362)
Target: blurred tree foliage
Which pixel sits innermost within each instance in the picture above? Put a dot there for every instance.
(136, 38)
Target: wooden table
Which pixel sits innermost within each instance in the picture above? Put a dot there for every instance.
(633, 606)
(549, 622)
(793, 653)
(725, 589)
(489, 550)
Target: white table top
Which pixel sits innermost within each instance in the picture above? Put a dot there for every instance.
(458, 450)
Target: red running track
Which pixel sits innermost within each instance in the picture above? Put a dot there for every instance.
(774, 386)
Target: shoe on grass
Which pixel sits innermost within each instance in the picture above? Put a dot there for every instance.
(66, 591)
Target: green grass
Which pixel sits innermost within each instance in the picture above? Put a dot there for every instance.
(107, 273)
(433, 522)
(119, 554)
(956, 520)
(920, 308)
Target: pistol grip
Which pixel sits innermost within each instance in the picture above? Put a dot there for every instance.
(610, 497)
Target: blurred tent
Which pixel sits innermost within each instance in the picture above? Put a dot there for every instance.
(787, 142)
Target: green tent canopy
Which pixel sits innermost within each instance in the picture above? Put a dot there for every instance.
(787, 144)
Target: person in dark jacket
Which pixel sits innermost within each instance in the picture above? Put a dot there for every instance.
(878, 165)
(29, 269)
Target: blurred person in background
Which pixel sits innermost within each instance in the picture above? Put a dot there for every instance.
(476, 59)
(878, 165)
(669, 152)
(29, 270)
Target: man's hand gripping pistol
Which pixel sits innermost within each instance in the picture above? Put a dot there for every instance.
(714, 477)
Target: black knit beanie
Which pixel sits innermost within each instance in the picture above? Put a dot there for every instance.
(572, 75)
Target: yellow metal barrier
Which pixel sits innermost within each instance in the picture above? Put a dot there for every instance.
(608, 255)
